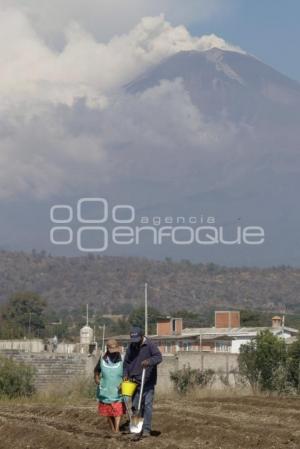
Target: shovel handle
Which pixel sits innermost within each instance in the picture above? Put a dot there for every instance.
(142, 389)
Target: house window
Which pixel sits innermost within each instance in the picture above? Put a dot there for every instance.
(223, 346)
(186, 346)
(168, 346)
(173, 326)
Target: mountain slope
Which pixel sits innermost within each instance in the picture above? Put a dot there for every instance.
(222, 141)
(227, 84)
(255, 173)
(115, 284)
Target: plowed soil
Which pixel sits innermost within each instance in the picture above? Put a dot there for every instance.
(237, 423)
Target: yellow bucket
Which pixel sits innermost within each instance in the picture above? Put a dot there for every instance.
(128, 388)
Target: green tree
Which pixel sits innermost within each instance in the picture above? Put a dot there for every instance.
(16, 379)
(190, 319)
(271, 355)
(248, 365)
(254, 318)
(263, 360)
(294, 364)
(24, 314)
(137, 318)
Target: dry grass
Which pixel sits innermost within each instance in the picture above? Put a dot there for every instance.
(81, 390)
(84, 391)
(211, 393)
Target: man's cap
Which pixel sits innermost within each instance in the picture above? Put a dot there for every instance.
(112, 345)
(136, 334)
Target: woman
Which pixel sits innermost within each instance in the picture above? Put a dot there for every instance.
(108, 375)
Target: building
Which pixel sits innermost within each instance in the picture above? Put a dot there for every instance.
(226, 335)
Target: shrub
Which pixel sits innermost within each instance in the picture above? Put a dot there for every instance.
(264, 363)
(83, 388)
(187, 378)
(16, 379)
(248, 366)
(281, 382)
(294, 364)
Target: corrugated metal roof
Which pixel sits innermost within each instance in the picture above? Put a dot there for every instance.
(213, 332)
(239, 331)
(126, 338)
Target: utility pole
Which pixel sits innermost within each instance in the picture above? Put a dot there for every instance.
(29, 325)
(146, 309)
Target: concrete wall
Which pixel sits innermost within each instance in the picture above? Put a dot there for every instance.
(223, 362)
(55, 369)
(224, 365)
(164, 384)
(34, 345)
(236, 344)
(62, 369)
(66, 348)
(37, 345)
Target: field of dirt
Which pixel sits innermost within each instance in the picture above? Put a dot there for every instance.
(224, 423)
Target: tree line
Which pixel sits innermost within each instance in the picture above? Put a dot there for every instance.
(116, 284)
(27, 314)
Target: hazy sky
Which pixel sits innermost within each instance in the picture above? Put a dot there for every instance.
(64, 64)
(269, 29)
(69, 128)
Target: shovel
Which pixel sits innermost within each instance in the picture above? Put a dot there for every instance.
(137, 421)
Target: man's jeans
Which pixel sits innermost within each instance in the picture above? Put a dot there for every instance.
(146, 408)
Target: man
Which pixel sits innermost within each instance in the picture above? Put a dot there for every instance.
(142, 353)
(54, 343)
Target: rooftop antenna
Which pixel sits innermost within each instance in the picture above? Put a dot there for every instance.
(87, 314)
(283, 316)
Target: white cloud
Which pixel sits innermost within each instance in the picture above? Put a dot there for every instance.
(106, 18)
(52, 142)
(85, 67)
(72, 149)
(39, 157)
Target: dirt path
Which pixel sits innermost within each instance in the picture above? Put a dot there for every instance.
(243, 423)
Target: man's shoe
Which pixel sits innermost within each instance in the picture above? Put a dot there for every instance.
(146, 434)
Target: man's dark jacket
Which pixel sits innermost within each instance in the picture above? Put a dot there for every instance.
(134, 358)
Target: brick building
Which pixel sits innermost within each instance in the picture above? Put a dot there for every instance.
(226, 335)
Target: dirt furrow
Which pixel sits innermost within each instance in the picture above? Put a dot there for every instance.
(251, 423)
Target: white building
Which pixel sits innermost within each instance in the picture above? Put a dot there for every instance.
(230, 339)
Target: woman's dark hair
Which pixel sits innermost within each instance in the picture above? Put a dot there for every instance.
(114, 357)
